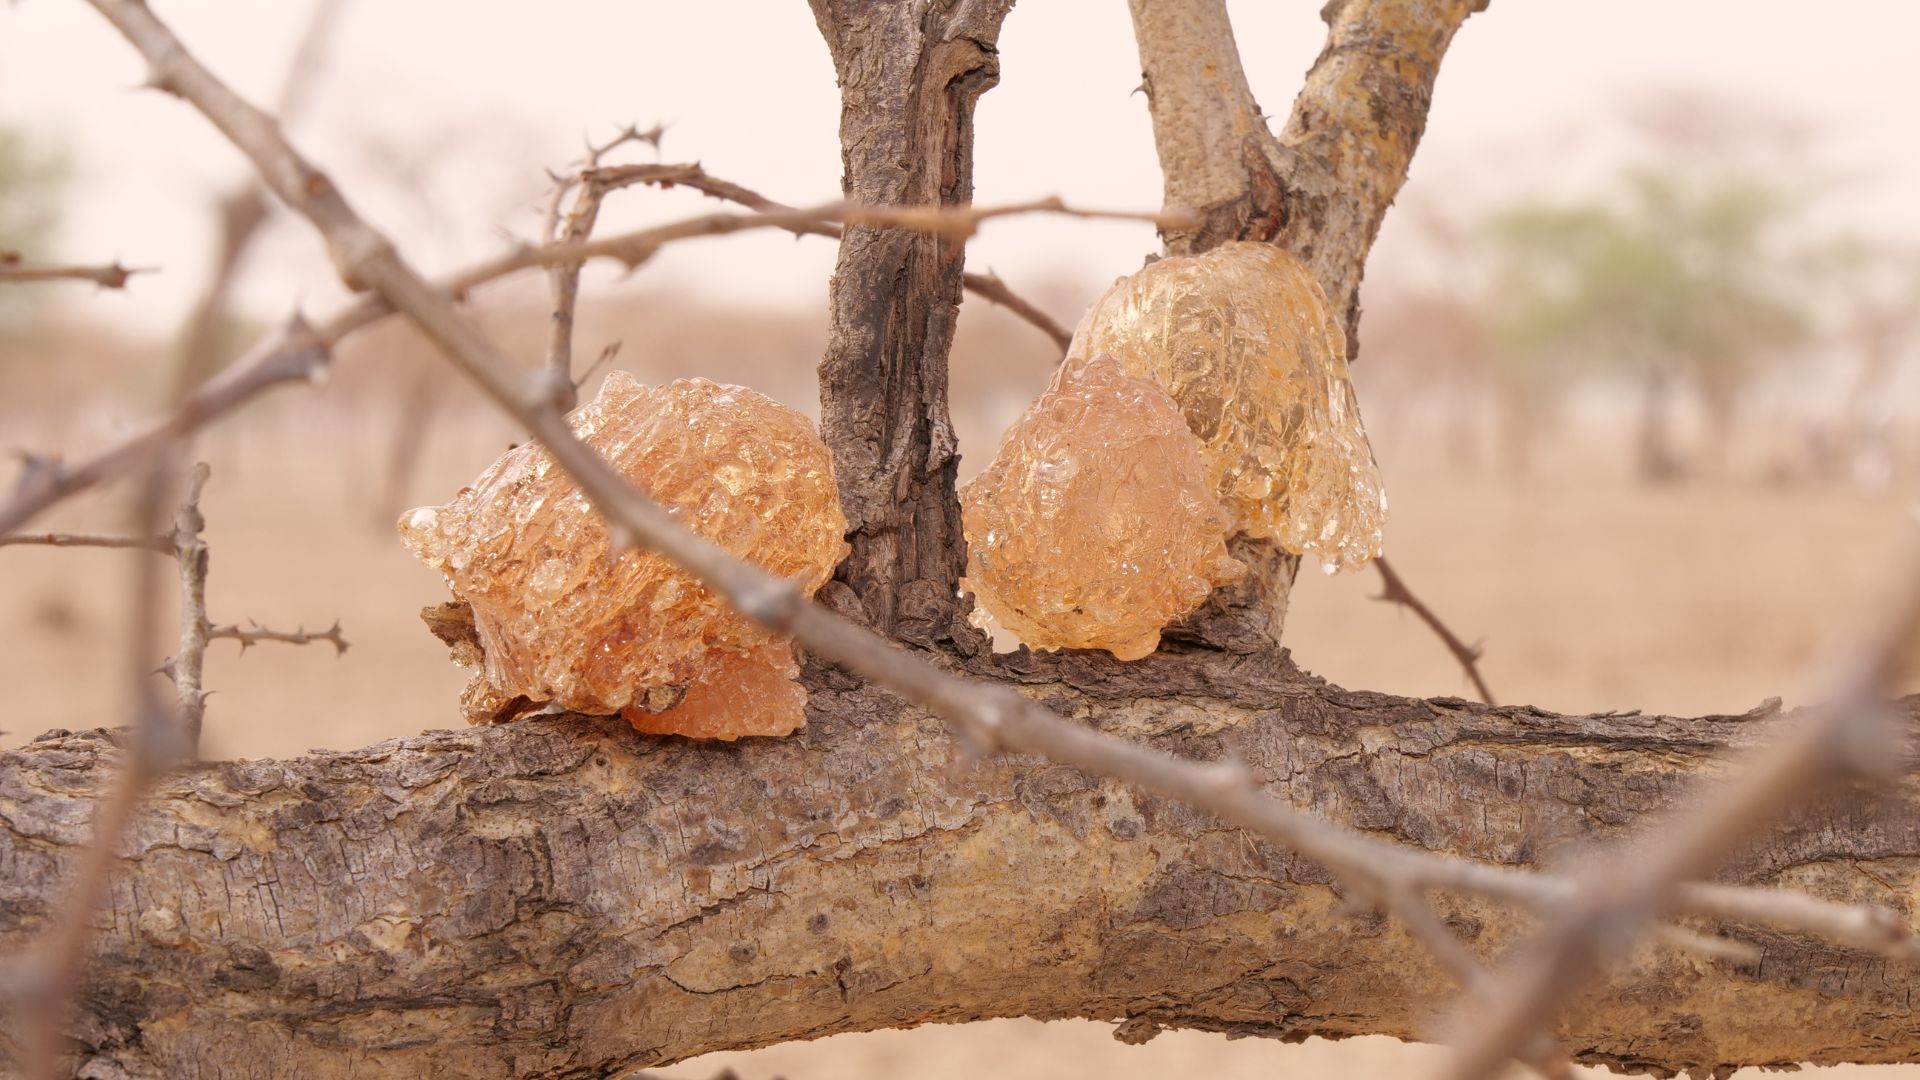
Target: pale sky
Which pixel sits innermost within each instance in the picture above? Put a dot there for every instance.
(473, 99)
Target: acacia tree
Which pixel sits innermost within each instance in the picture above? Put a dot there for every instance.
(1179, 841)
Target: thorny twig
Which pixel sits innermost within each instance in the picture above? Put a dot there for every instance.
(13, 269)
(158, 741)
(986, 286)
(989, 716)
(576, 225)
(153, 746)
(301, 351)
(294, 354)
(1394, 591)
(162, 545)
(253, 634)
(244, 209)
(1852, 735)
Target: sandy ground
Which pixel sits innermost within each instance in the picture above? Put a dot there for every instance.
(1590, 593)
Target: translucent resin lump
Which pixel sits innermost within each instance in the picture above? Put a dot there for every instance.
(1096, 524)
(560, 621)
(1242, 338)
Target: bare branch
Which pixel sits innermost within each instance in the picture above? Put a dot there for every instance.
(154, 746)
(244, 209)
(577, 225)
(159, 544)
(295, 354)
(1395, 591)
(14, 270)
(253, 634)
(301, 351)
(188, 665)
(1853, 736)
(986, 286)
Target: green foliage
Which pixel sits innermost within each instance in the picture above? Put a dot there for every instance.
(1677, 275)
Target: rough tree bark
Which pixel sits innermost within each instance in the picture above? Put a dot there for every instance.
(909, 75)
(564, 898)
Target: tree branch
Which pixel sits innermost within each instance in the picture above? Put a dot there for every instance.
(986, 286)
(294, 354)
(562, 896)
(162, 545)
(1393, 590)
(909, 77)
(13, 270)
(301, 352)
(1323, 186)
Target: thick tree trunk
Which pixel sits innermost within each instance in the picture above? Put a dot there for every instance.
(909, 75)
(565, 898)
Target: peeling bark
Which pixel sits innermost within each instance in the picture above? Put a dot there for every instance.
(1322, 187)
(909, 75)
(565, 898)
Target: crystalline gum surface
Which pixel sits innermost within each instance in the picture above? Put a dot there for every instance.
(561, 621)
(1095, 525)
(761, 684)
(1242, 337)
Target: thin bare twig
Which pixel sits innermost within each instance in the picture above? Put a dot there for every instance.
(253, 634)
(152, 747)
(989, 716)
(160, 544)
(244, 209)
(1853, 735)
(986, 286)
(188, 665)
(294, 354)
(1395, 591)
(14, 270)
(575, 226)
(302, 351)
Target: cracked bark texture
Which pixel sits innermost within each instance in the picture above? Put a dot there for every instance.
(909, 75)
(564, 898)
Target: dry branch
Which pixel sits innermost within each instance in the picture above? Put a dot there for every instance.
(1852, 736)
(253, 634)
(55, 967)
(1394, 591)
(14, 270)
(577, 225)
(162, 545)
(244, 209)
(564, 897)
(293, 354)
(986, 286)
(301, 352)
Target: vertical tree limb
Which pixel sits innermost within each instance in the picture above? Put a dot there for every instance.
(1320, 190)
(909, 76)
(1354, 127)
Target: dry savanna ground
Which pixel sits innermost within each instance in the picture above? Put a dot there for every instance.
(1589, 591)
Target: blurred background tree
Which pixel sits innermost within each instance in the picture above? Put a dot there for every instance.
(1677, 282)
